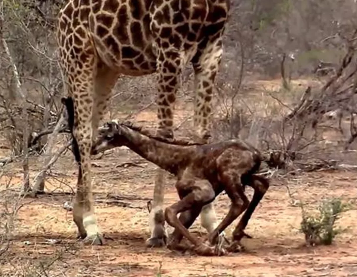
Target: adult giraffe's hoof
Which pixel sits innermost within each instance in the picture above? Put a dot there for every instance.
(96, 239)
(156, 242)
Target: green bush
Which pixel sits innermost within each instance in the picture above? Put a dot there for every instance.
(321, 229)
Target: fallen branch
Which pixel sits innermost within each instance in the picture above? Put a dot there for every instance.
(47, 132)
(6, 161)
(127, 197)
(120, 203)
(49, 161)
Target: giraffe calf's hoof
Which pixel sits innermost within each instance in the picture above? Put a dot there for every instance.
(235, 247)
(81, 236)
(241, 234)
(205, 250)
(175, 244)
(156, 242)
(96, 239)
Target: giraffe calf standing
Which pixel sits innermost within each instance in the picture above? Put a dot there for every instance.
(203, 171)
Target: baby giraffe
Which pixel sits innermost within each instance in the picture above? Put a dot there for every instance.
(203, 171)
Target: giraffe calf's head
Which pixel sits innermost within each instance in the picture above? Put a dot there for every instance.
(109, 136)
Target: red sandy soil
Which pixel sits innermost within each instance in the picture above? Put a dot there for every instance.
(121, 193)
(277, 248)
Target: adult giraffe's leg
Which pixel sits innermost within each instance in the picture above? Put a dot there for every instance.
(169, 69)
(81, 88)
(104, 82)
(206, 64)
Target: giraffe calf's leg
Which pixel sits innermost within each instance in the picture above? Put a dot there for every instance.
(196, 198)
(187, 218)
(260, 186)
(231, 181)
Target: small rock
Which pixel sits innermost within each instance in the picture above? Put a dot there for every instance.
(53, 241)
(67, 206)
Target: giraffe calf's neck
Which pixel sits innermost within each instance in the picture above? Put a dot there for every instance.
(203, 171)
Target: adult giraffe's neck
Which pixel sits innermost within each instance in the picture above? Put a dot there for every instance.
(168, 156)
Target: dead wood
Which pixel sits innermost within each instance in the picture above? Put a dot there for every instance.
(337, 93)
(49, 158)
(19, 93)
(126, 197)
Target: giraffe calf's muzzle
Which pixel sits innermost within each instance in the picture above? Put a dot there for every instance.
(99, 147)
(106, 139)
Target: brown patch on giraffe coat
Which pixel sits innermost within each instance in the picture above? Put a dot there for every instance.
(165, 32)
(67, 11)
(78, 40)
(111, 6)
(140, 59)
(96, 7)
(104, 19)
(81, 32)
(137, 34)
(146, 26)
(129, 52)
(63, 25)
(182, 29)
(84, 13)
(136, 9)
(101, 31)
(175, 41)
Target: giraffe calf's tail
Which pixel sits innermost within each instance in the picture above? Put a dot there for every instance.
(69, 104)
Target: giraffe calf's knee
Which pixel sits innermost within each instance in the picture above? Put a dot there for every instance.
(170, 216)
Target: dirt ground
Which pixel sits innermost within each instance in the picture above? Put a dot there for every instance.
(44, 242)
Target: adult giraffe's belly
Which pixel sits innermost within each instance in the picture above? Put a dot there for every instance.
(122, 37)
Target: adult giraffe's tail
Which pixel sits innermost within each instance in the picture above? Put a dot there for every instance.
(69, 104)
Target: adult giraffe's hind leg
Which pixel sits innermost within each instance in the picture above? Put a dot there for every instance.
(104, 82)
(206, 65)
(169, 69)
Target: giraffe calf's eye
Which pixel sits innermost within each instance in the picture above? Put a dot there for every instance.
(109, 136)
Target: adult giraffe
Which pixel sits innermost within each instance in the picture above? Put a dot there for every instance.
(101, 39)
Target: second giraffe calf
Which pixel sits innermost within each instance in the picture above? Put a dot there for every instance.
(203, 171)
